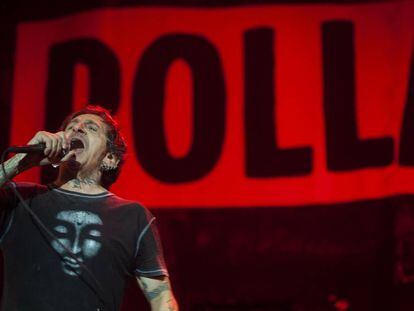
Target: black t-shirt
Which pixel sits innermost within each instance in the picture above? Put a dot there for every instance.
(114, 238)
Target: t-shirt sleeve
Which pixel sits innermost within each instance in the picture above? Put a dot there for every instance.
(149, 259)
(9, 202)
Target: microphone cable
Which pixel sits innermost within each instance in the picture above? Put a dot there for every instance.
(96, 288)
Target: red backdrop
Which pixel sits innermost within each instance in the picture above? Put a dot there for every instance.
(381, 44)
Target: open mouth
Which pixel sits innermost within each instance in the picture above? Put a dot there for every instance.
(76, 143)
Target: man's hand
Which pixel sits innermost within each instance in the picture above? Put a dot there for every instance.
(158, 292)
(54, 142)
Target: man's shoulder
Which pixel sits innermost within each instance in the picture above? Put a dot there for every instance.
(118, 202)
(28, 187)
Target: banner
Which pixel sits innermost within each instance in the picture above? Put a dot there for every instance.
(276, 105)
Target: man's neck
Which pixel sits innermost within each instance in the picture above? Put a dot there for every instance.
(87, 185)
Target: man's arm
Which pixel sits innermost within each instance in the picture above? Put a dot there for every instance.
(158, 292)
(11, 167)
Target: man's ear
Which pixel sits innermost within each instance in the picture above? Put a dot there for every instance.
(110, 161)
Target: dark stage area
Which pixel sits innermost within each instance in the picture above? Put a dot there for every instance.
(306, 258)
(273, 141)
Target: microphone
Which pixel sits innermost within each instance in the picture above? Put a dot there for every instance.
(39, 148)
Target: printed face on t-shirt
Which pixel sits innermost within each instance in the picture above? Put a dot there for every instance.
(80, 232)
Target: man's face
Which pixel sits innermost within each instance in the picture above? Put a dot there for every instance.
(89, 131)
(79, 231)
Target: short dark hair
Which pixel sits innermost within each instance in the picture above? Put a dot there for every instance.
(115, 141)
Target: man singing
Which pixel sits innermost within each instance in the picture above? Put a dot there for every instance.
(93, 239)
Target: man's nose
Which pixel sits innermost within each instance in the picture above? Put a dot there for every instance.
(80, 127)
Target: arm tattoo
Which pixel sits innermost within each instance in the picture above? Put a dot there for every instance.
(12, 167)
(156, 292)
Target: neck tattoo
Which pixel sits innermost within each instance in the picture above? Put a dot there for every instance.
(79, 183)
